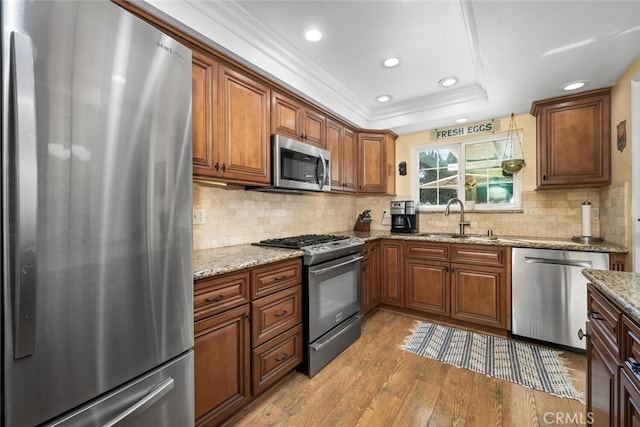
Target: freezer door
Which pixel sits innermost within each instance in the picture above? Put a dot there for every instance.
(96, 201)
(162, 398)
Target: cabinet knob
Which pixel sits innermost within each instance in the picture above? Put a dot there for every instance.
(224, 167)
(544, 177)
(581, 334)
(217, 166)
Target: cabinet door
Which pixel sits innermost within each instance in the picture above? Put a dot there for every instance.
(204, 109)
(349, 160)
(391, 269)
(285, 116)
(313, 128)
(244, 139)
(335, 143)
(370, 277)
(479, 295)
(427, 286)
(574, 140)
(629, 399)
(371, 158)
(601, 384)
(221, 366)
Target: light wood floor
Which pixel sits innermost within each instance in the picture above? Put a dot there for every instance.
(373, 383)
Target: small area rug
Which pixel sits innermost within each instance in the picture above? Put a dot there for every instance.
(531, 366)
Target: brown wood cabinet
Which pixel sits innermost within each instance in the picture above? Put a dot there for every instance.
(370, 276)
(204, 100)
(391, 272)
(221, 365)
(342, 144)
(243, 148)
(248, 335)
(292, 118)
(603, 358)
(465, 283)
(574, 140)
(376, 162)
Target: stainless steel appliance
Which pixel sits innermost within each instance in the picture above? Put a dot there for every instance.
(404, 218)
(331, 295)
(97, 321)
(297, 166)
(549, 294)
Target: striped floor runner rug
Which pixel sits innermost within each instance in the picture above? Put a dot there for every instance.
(521, 363)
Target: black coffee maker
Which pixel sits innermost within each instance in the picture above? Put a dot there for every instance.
(404, 218)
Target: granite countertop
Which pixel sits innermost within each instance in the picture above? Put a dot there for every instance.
(621, 287)
(215, 261)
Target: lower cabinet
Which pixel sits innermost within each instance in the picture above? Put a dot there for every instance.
(221, 353)
(391, 255)
(468, 283)
(370, 276)
(247, 335)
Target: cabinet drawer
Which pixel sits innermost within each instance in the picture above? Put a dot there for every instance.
(630, 348)
(272, 360)
(215, 295)
(275, 314)
(434, 251)
(275, 277)
(479, 255)
(604, 319)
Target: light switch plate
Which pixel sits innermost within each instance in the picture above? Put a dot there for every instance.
(199, 216)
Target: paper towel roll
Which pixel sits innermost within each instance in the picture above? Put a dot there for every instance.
(586, 219)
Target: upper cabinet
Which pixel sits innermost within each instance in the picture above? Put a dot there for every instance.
(293, 119)
(230, 124)
(341, 142)
(574, 140)
(376, 162)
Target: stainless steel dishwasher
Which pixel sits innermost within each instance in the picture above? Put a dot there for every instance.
(549, 294)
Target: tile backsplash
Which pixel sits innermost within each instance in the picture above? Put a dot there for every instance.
(236, 216)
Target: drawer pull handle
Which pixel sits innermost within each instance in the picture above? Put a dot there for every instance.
(216, 299)
(595, 315)
(282, 313)
(581, 334)
(635, 367)
(281, 278)
(283, 358)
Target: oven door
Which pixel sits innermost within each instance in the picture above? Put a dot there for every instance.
(334, 294)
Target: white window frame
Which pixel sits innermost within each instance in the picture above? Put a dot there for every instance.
(415, 179)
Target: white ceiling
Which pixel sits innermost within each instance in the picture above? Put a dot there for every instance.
(506, 54)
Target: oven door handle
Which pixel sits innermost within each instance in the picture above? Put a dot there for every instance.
(333, 267)
(345, 327)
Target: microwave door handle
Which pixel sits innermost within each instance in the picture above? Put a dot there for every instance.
(324, 171)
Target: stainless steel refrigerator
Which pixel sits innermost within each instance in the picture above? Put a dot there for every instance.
(97, 323)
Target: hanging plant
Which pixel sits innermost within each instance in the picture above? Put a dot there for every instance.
(509, 163)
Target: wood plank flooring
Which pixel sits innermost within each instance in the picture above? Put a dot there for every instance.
(374, 383)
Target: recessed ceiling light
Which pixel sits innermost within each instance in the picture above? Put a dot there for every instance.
(462, 120)
(312, 34)
(448, 81)
(384, 98)
(390, 62)
(575, 85)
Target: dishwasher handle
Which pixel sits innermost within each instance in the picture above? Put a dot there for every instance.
(567, 262)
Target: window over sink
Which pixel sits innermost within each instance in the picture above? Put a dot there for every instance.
(469, 170)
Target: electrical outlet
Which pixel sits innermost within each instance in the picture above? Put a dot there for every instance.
(595, 213)
(199, 217)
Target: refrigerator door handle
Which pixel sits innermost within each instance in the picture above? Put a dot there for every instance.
(25, 182)
(152, 397)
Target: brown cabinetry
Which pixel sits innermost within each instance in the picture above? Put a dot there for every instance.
(341, 142)
(370, 276)
(292, 118)
(391, 266)
(248, 335)
(376, 162)
(465, 283)
(230, 124)
(574, 140)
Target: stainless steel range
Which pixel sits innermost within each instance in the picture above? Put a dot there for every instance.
(331, 295)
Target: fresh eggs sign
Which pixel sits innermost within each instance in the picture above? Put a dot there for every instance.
(471, 129)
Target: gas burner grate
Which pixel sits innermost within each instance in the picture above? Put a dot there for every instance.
(301, 241)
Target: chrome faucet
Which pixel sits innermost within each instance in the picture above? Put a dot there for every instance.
(462, 221)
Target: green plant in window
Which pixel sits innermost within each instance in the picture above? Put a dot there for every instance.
(470, 189)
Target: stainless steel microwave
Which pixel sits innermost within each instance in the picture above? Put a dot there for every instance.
(299, 166)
